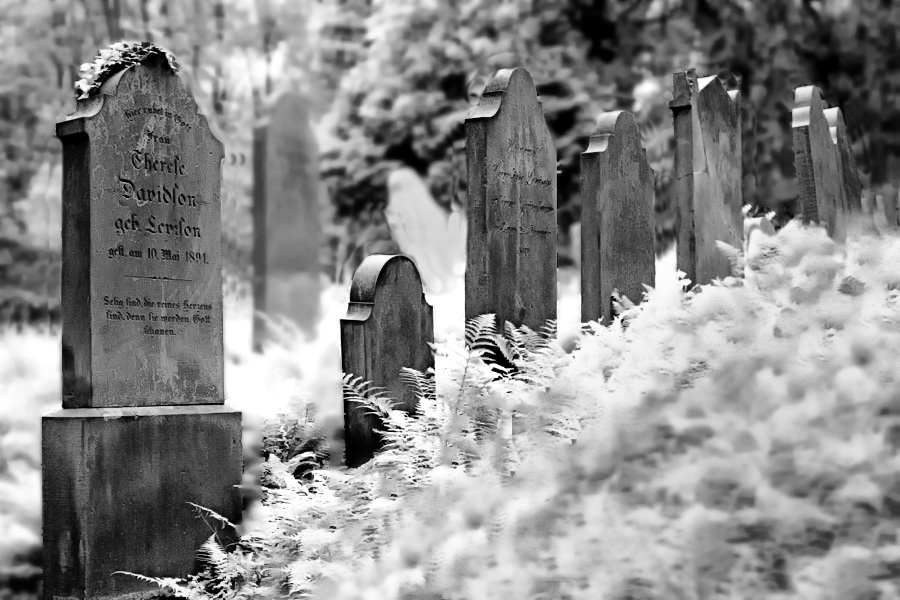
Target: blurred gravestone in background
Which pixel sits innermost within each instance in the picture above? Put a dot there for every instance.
(286, 213)
(388, 81)
(422, 230)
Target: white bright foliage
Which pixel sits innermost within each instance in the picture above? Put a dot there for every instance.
(615, 467)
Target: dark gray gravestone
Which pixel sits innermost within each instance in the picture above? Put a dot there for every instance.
(852, 189)
(388, 326)
(817, 164)
(511, 240)
(617, 217)
(708, 174)
(142, 329)
(286, 219)
(857, 220)
(142, 275)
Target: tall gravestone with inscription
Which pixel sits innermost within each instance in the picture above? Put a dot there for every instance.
(512, 227)
(142, 432)
(286, 220)
(617, 217)
(708, 174)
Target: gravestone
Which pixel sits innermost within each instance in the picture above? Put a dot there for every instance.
(617, 217)
(142, 431)
(851, 188)
(388, 326)
(421, 229)
(286, 220)
(708, 174)
(512, 227)
(818, 166)
(850, 185)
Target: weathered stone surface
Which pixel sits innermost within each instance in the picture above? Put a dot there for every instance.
(818, 166)
(708, 172)
(116, 487)
(617, 217)
(511, 246)
(850, 185)
(286, 219)
(388, 326)
(142, 277)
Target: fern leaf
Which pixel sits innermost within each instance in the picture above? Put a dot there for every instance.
(735, 257)
(209, 512)
(480, 326)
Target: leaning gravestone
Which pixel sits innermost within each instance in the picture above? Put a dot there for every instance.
(286, 220)
(817, 164)
(617, 217)
(388, 326)
(511, 245)
(708, 174)
(142, 432)
(421, 228)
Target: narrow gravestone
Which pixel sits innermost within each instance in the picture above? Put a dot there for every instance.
(821, 194)
(851, 188)
(708, 174)
(388, 326)
(142, 343)
(511, 239)
(844, 147)
(617, 217)
(286, 220)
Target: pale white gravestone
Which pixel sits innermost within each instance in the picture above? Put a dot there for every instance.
(421, 228)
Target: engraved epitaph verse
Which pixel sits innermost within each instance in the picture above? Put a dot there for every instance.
(157, 234)
(524, 216)
(154, 274)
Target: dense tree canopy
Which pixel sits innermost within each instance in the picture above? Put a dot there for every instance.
(391, 80)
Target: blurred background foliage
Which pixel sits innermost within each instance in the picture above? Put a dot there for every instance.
(390, 81)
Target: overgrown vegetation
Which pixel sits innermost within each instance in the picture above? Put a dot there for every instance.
(737, 442)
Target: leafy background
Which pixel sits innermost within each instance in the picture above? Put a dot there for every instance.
(389, 83)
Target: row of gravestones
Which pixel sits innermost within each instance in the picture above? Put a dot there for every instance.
(143, 431)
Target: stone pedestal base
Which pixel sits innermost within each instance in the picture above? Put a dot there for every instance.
(116, 488)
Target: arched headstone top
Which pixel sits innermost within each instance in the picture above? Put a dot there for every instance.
(805, 98)
(375, 269)
(615, 122)
(833, 117)
(516, 82)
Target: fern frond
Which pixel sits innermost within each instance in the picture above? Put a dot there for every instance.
(735, 257)
(169, 584)
(479, 327)
(356, 389)
(422, 384)
(209, 512)
(550, 329)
